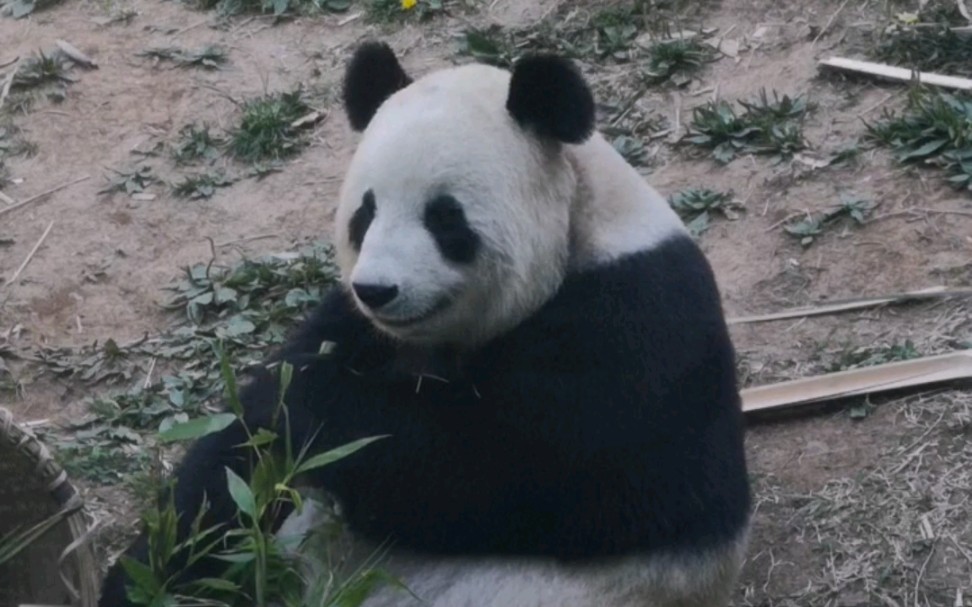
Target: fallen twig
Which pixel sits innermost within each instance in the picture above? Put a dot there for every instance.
(349, 19)
(42, 195)
(30, 256)
(919, 211)
(190, 27)
(245, 239)
(830, 22)
(7, 199)
(847, 305)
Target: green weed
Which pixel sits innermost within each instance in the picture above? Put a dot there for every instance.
(855, 357)
(935, 129)
(131, 182)
(260, 569)
(676, 59)
(210, 57)
(278, 8)
(808, 229)
(21, 8)
(196, 143)
(765, 126)
(248, 306)
(696, 205)
(266, 130)
(195, 187)
(39, 70)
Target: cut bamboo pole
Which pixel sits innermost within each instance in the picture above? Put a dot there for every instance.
(857, 382)
(898, 74)
(847, 305)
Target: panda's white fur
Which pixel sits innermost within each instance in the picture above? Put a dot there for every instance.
(451, 128)
(662, 580)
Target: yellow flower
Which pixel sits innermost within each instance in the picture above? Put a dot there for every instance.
(408, 4)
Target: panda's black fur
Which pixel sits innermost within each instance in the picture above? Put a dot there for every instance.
(608, 423)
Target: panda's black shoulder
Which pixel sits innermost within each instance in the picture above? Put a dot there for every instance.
(661, 304)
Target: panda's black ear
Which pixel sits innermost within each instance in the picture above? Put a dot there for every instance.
(373, 75)
(549, 95)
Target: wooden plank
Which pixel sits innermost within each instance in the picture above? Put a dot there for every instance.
(857, 382)
(898, 74)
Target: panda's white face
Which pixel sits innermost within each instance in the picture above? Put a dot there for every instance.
(453, 221)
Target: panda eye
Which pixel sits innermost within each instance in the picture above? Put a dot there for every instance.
(444, 211)
(361, 220)
(446, 221)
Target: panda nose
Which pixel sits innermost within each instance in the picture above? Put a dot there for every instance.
(375, 296)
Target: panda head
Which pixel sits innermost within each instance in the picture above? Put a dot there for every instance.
(453, 219)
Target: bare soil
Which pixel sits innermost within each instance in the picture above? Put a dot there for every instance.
(852, 510)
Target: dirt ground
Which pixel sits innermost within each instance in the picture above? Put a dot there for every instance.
(852, 509)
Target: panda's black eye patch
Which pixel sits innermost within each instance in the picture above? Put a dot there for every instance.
(362, 218)
(446, 221)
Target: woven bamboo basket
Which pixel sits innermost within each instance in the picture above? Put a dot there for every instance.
(58, 567)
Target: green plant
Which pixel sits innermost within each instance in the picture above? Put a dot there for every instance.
(249, 306)
(855, 357)
(488, 45)
(210, 57)
(12, 142)
(200, 186)
(696, 205)
(631, 148)
(21, 8)
(670, 59)
(196, 143)
(615, 29)
(266, 128)
(766, 126)
(259, 569)
(39, 70)
(807, 229)
(935, 129)
(278, 8)
(130, 182)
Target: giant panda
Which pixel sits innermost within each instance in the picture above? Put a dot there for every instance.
(539, 338)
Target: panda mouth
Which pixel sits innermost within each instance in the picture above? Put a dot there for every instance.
(400, 322)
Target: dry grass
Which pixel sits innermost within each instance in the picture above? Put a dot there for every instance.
(875, 536)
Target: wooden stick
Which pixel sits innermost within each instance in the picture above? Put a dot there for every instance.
(848, 305)
(43, 194)
(30, 256)
(857, 382)
(898, 74)
(7, 199)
